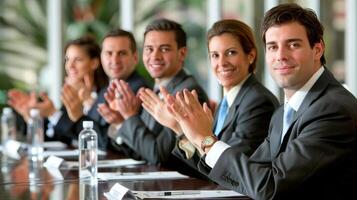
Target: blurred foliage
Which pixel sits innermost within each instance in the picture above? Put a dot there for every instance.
(94, 17)
(22, 40)
(23, 25)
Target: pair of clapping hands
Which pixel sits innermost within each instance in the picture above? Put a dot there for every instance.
(122, 103)
(73, 95)
(182, 113)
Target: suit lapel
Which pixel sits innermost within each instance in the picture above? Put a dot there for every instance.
(176, 81)
(314, 93)
(237, 101)
(275, 136)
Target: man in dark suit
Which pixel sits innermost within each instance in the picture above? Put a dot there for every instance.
(119, 58)
(310, 152)
(163, 55)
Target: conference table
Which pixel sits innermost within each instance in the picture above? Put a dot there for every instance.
(25, 178)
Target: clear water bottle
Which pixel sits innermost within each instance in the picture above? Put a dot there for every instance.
(88, 145)
(35, 135)
(35, 175)
(88, 191)
(8, 126)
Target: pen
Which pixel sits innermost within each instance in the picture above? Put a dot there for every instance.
(172, 193)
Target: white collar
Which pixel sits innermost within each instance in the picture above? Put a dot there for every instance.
(296, 100)
(233, 92)
(163, 83)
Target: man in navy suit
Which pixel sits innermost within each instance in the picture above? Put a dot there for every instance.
(310, 152)
(119, 58)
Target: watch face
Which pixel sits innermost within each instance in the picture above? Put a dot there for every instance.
(208, 140)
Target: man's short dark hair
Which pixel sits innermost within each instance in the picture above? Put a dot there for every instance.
(291, 12)
(122, 33)
(168, 25)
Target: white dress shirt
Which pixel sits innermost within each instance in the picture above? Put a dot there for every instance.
(295, 102)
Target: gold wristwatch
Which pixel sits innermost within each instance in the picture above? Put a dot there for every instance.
(208, 141)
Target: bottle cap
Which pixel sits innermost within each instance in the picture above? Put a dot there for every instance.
(34, 112)
(88, 124)
(6, 110)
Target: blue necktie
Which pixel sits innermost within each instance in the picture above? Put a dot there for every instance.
(223, 110)
(288, 117)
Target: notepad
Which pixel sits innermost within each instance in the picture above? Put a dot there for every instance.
(141, 175)
(186, 194)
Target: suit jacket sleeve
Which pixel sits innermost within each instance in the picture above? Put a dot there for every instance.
(322, 137)
(64, 128)
(249, 122)
(67, 130)
(147, 137)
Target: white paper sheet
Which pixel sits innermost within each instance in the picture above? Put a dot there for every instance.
(141, 175)
(68, 153)
(53, 162)
(11, 149)
(54, 144)
(117, 192)
(109, 163)
(47, 144)
(186, 194)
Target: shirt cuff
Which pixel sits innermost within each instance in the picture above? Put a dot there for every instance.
(215, 152)
(188, 148)
(112, 133)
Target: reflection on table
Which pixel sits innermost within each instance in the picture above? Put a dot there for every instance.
(28, 179)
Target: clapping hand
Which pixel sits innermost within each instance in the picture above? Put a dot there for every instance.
(158, 108)
(72, 102)
(122, 99)
(195, 120)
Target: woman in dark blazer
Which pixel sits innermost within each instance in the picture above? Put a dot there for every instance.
(84, 84)
(233, 55)
(85, 78)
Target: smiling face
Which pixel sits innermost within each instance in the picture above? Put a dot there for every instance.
(228, 60)
(291, 59)
(161, 56)
(117, 58)
(78, 64)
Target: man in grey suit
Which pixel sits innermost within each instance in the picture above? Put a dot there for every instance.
(163, 55)
(310, 152)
